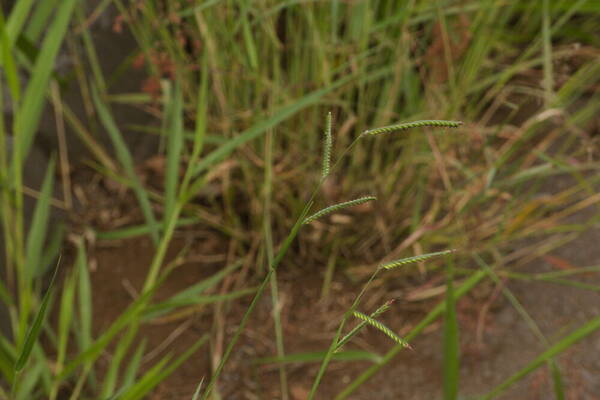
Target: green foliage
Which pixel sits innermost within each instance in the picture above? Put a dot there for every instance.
(35, 328)
(252, 87)
(39, 225)
(159, 372)
(124, 156)
(174, 134)
(29, 111)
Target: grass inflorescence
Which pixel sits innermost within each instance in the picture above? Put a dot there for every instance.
(414, 259)
(381, 327)
(327, 146)
(411, 125)
(338, 207)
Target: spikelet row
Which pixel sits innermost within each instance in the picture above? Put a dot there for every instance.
(373, 322)
(358, 327)
(327, 148)
(337, 207)
(409, 260)
(414, 124)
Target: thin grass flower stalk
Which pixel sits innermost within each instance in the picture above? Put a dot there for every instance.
(358, 327)
(432, 123)
(381, 327)
(327, 148)
(337, 207)
(410, 260)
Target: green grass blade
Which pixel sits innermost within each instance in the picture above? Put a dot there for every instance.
(174, 148)
(451, 342)
(95, 349)
(64, 324)
(84, 297)
(17, 18)
(191, 295)
(40, 357)
(182, 358)
(165, 307)
(134, 365)
(30, 381)
(140, 230)
(6, 369)
(557, 380)
(36, 327)
(248, 38)
(39, 223)
(141, 386)
(83, 333)
(548, 81)
(8, 352)
(39, 19)
(199, 136)
(157, 374)
(126, 161)
(260, 128)
(110, 379)
(8, 63)
(28, 115)
(583, 331)
(5, 295)
(52, 250)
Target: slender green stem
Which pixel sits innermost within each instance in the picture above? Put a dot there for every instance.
(259, 292)
(268, 235)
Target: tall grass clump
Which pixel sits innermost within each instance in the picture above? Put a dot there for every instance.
(40, 359)
(24, 249)
(377, 62)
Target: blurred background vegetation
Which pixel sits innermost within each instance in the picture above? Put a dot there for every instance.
(165, 148)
